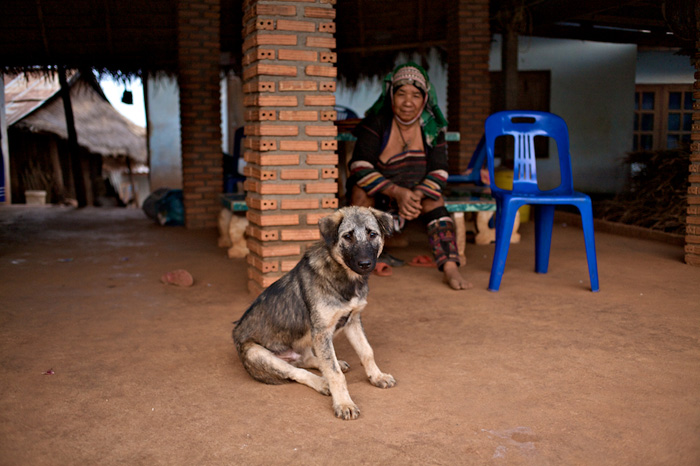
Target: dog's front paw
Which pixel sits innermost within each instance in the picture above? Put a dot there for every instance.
(346, 411)
(383, 381)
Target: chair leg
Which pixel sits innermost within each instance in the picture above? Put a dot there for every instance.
(589, 238)
(544, 221)
(504, 230)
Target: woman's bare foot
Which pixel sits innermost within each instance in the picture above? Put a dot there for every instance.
(454, 278)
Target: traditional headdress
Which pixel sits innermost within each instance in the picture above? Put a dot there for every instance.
(431, 118)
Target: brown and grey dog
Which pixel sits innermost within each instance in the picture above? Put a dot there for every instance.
(290, 327)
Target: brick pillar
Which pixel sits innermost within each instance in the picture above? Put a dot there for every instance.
(290, 146)
(200, 110)
(692, 237)
(468, 91)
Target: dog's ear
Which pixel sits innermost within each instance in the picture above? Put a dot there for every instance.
(328, 226)
(386, 221)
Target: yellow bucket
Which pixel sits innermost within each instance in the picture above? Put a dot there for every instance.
(504, 180)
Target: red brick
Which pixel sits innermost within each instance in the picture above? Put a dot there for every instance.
(299, 174)
(322, 131)
(262, 234)
(323, 71)
(324, 13)
(271, 188)
(321, 42)
(299, 26)
(261, 204)
(329, 145)
(258, 144)
(326, 27)
(299, 145)
(271, 159)
(317, 100)
(265, 175)
(297, 55)
(299, 204)
(321, 188)
(322, 159)
(272, 220)
(261, 69)
(259, 86)
(300, 235)
(298, 86)
(298, 115)
(270, 130)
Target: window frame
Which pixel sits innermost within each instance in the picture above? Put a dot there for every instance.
(660, 112)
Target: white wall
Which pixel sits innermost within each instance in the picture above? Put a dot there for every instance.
(164, 133)
(658, 67)
(592, 88)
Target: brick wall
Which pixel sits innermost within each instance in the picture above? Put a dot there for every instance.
(200, 107)
(692, 238)
(290, 146)
(469, 45)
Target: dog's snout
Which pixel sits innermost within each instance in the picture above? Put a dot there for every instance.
(364, 265)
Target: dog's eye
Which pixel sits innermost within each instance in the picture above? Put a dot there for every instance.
(373, 234)
(347, 236)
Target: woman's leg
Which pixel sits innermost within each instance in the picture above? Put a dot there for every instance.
(441, 235)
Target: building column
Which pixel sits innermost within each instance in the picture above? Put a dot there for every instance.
(200, 110)
(469, 95)
(289, 82)
(692, 237)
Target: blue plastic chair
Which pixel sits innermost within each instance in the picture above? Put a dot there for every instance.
(476, 162)
(524, 126)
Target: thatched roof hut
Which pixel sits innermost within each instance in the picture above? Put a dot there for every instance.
(109, 145)
(33, 104)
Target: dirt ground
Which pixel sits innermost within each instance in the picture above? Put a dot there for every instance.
(543, 372)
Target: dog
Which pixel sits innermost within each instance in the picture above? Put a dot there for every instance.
(290, 327)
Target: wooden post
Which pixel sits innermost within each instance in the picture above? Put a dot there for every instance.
(73, 148)
(509, 68)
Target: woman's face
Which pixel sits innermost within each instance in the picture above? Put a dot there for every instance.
(408, 102)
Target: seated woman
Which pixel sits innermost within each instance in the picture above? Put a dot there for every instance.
(399, 164)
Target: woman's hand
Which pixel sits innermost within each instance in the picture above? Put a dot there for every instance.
(409, 202)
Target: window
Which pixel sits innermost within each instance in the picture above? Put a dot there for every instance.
(662, 116)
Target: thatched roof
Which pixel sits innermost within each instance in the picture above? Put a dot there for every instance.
(34, 104)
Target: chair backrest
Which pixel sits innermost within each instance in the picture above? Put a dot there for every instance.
(524, 125)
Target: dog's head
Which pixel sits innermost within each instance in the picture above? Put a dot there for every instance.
(355, 236)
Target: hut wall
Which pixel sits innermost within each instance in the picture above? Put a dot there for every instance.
(289, 80)
(40, 161)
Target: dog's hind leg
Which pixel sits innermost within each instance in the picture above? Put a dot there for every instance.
(264, 366)
(357, 338)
